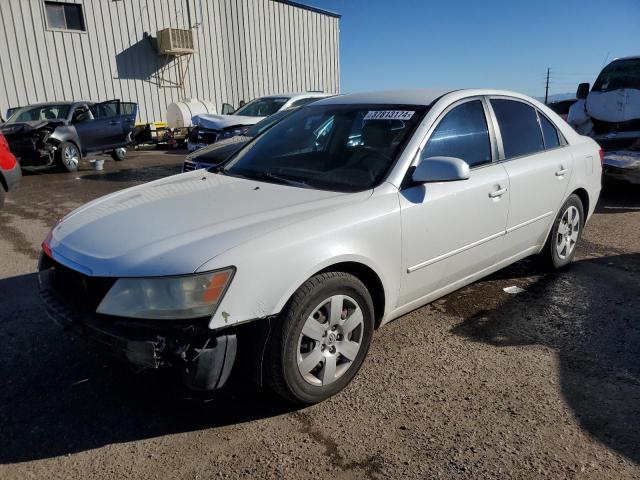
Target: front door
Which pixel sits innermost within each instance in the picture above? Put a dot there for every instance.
(103, 129)
(453, 230)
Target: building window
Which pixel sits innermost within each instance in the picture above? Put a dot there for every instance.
(64, 16)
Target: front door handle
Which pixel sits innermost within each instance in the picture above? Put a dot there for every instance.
(114, 123)
(561, 172)
(498, 193)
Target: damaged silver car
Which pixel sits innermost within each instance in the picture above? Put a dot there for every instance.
(62, 132)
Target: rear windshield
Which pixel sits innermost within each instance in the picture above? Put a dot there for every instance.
(619, 74)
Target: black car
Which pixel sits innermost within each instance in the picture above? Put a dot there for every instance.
(63, 132)
(217, 153)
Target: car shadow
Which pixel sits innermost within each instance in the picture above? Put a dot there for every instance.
(60, 397)
(618, 197)
(589, 314)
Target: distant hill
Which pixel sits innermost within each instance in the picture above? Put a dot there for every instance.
(557, 97)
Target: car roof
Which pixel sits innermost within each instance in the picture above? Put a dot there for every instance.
(292, 96)
(407, 97)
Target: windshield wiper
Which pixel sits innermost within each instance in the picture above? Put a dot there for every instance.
(273, 178)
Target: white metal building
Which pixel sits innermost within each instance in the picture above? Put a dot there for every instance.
(105, 49)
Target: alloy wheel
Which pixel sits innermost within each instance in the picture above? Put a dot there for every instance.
(568, 232)
(71, 157)
(330, 340)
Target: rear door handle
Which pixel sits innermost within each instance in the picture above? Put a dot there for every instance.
(561, 172)
(498, 193)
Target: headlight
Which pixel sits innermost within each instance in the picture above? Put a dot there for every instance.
(187, 296)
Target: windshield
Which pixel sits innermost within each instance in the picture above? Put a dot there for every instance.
(262, 107)
(265, 123)
(42, 112)
(619, 74)
(345, 148)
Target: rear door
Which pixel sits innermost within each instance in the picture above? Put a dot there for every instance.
(127, 113)
(539, 165)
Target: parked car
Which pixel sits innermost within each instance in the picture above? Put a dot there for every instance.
(63, 132)
(610, 113)
(10, 173)
(211, 128)
(217, 153)
(292, 253)
(561, 107)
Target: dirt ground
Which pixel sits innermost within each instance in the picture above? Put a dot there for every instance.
(480, 384)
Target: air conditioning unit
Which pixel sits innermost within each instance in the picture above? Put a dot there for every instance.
(175, 41)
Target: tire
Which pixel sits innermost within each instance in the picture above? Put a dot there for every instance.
(69, 156)
(119, 154)
(2, 195)
(291, 369)
(566, 232)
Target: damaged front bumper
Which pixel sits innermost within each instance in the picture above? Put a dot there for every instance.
(623, 165)
(204, 358)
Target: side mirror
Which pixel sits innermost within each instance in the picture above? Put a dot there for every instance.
(440, 169)
(227, 109)
(583, 91)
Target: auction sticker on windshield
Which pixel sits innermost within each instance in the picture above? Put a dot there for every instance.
(389, 115)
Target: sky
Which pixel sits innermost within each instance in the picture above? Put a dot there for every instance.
(502, 44)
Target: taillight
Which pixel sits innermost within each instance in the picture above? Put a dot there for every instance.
(601, 152)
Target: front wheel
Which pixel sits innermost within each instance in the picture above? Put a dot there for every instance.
(566, 231)
(69, 156)
(321, 338)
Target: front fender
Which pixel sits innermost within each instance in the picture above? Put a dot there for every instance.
(270, 268)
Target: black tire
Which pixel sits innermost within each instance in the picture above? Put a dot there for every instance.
(282, 373)
(549, 256)
(65, 158)
(119, 154)
(2, 195)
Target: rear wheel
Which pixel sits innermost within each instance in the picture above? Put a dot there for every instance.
(69, 156)
(119, 154)
(566, 231)
(321, 338)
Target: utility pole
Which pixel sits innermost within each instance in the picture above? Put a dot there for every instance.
(546, 90)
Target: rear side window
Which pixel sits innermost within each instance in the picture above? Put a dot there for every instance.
(549, 132)
(519, 128)
(463, 134)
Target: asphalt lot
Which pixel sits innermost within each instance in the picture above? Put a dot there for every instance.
(480, 384)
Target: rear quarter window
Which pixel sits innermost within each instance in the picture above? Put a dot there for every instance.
(519, 127)
(549, 132)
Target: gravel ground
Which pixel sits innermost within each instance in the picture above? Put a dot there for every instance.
(479, 384)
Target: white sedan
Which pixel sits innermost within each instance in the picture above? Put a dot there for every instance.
(349, 213)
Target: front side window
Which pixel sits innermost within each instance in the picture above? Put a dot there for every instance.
(549, 132)
(313, 147)
(519, 127)
(42, 112)
(463, 134)
(262, 107)
(64, 16)
(104, 110)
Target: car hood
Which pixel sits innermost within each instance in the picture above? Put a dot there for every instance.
(26, 127)
(220, 122)
(174, 225)
(614, 106)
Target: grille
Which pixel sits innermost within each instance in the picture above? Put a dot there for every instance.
(81, 291)
(601, 127)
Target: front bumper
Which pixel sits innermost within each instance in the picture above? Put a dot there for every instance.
(623, 165)
(203, 358)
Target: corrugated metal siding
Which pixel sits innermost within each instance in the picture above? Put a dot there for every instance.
(246, 48)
